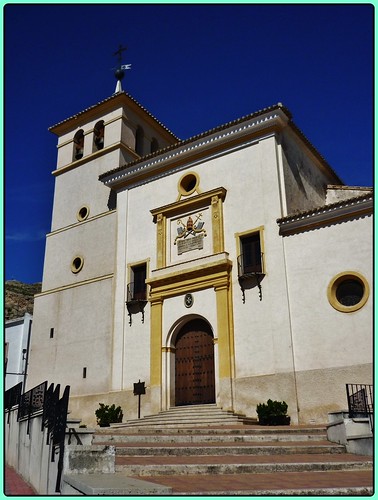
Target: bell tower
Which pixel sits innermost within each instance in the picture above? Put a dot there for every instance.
(80, 265)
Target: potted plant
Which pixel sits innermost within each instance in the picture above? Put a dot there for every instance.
(107, 415)
(273, 413)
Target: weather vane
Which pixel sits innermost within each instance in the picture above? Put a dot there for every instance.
(120, 69)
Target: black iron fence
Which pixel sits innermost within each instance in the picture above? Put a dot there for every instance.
(12, 398)
(31, 402)
(360, 401)
(53, 410)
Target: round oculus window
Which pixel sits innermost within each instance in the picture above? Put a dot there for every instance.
(348, 292)
(83, 213)
(188, 183)
(77, 264)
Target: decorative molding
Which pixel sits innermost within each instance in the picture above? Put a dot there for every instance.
(85, 221)
(329, 214)
(212, 275)
(163, 214)
(107, 105)
(94, 156)
(74, 285)
(273, 121)
(189, 204)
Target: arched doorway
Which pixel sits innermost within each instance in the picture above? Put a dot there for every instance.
(194, 364)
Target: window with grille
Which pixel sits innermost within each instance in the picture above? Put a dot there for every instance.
(137, 289)
(250, 260)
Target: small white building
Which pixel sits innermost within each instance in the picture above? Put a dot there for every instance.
(17, 342)
(228, 268)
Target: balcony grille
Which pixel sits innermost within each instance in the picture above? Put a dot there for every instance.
(248, 267)
(136, 293)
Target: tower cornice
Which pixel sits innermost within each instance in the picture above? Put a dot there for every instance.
(109, 104)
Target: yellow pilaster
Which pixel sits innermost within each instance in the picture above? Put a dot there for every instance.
(225, 332)
(217, 216)
(156, 341)
(161, 240)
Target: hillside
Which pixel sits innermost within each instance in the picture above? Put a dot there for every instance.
(19, 298)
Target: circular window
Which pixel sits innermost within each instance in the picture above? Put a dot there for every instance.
(82, 213)
(188, 183)
(77, 264)
(348, 292)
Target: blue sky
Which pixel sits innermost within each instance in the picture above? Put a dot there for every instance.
(193, 67)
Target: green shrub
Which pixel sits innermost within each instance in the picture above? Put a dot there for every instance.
(107, 415)
(273, 413)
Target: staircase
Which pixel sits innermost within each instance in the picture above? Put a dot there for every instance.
(188, 416)
(188, 453)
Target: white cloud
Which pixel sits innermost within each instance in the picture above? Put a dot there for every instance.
(25, 236)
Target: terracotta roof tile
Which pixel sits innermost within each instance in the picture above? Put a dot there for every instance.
(198, 136)
(114, 96)
(325, 208)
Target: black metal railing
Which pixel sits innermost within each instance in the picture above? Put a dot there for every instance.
(360, 401)
(250, 271)
(12, 398)
(136, 300)
(53, 411)
(249, 268)
(134, 293)
(54, 417)
(31, 402)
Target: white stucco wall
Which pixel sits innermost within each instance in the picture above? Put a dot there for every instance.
(16, 336)
(305, 181)
(80, 187)
(93, 240)
(313, 259)
(82, 320)
(262, 331)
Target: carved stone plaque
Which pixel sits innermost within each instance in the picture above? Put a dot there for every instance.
(193, 243)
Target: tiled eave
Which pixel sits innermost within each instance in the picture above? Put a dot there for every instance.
(259, 121)
(64, 125)
(328, 214)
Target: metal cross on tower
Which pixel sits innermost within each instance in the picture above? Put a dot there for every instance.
(120, 69)
(119, 53)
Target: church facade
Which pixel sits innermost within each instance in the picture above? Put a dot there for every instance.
(229, 268)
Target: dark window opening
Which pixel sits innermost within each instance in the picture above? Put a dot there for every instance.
(154, 145)
(85, 372)
(98, 132)
(51, 333)
(349, 292)
(78, 144)
(251, 261)
(112, 200)
(137, 289)
(139, 138)
(188, 183)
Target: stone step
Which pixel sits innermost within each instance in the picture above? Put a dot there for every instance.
(234, 430)
(354, 491)
(215, 449)
(219, 437)
(238, 460)
(320, 483)
(189, 416)
(336, 483)
(171, 423)
(243, 464)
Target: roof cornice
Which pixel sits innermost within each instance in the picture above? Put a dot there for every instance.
(108, 103)
(274, 117)
(352, 208)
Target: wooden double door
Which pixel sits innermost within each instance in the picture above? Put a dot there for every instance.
(194, 364)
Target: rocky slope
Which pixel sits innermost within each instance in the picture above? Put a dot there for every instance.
(19, 298)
